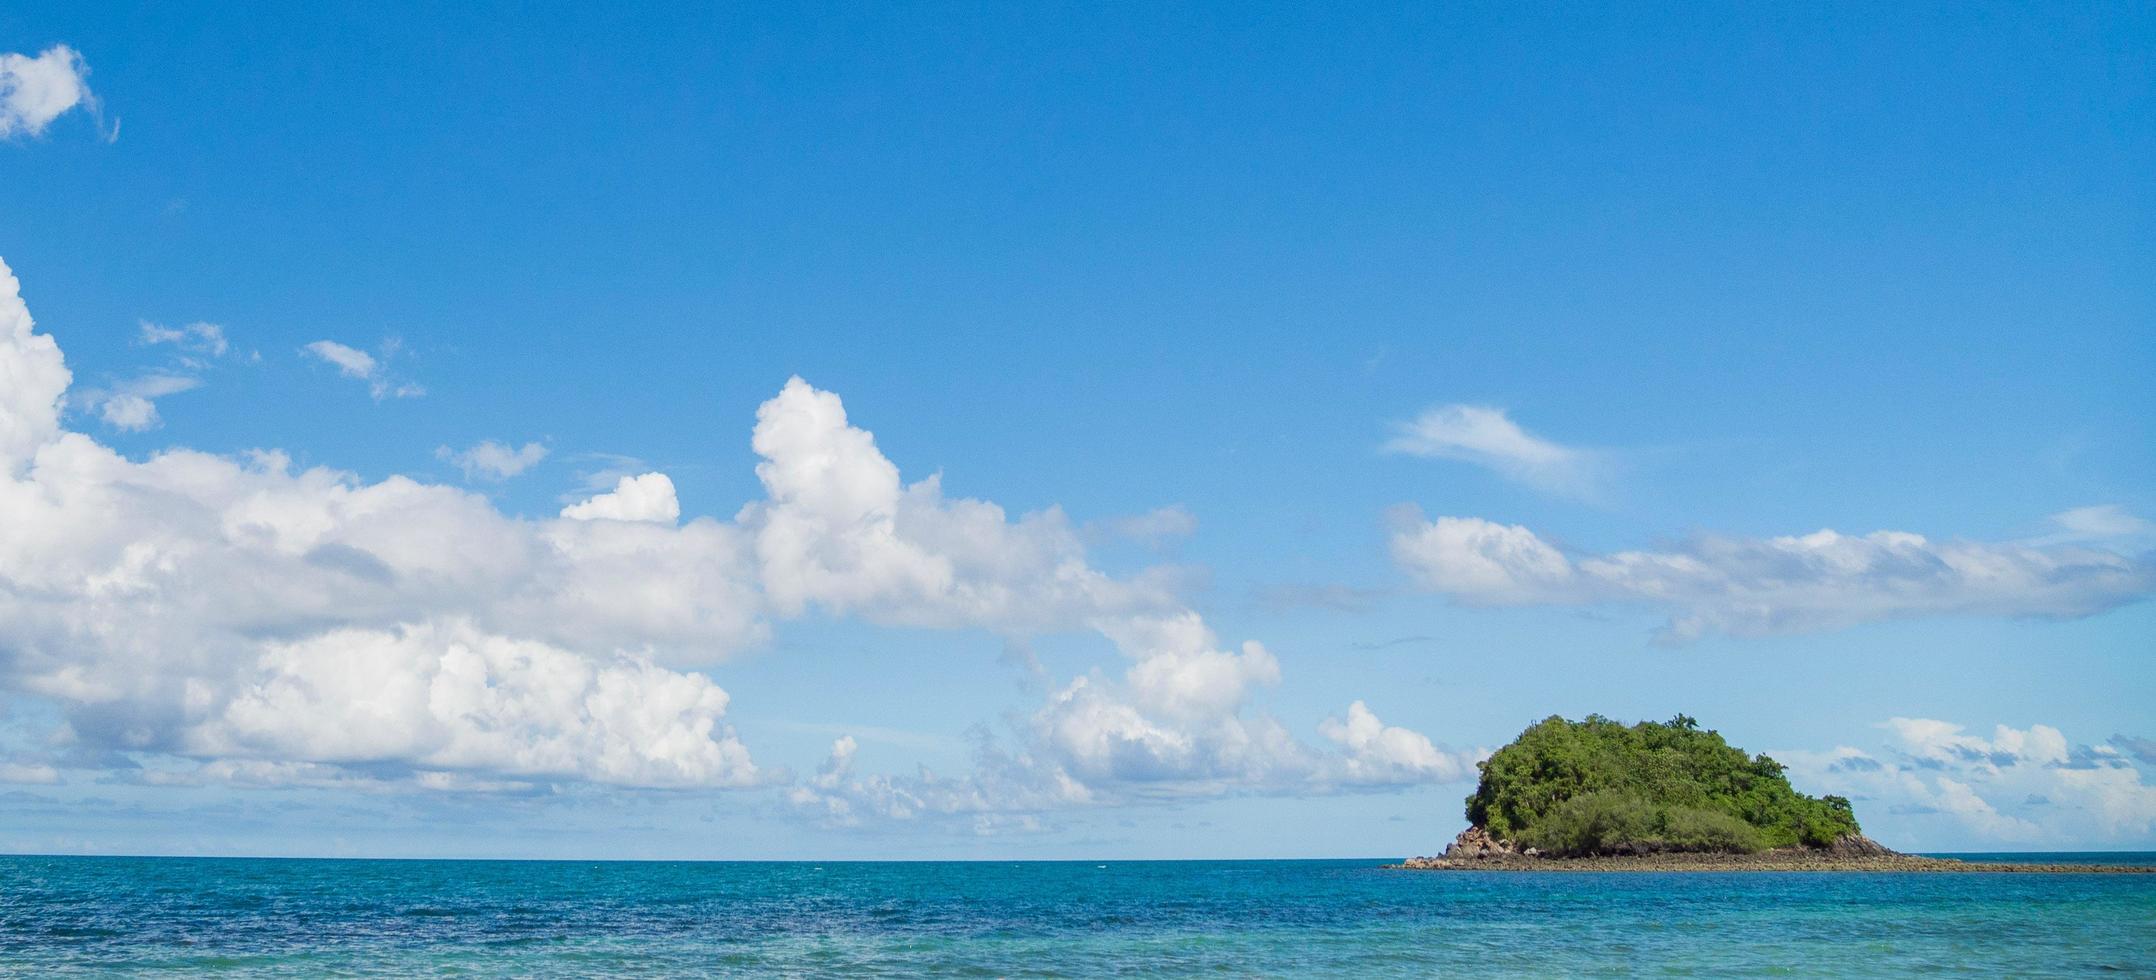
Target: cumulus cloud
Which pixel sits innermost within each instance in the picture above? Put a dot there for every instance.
(649, 497)
(1756, 586)
(1176, 715)
(1175, 725)
(257, 622)
(129, 413)
(359, 365)
(34, 91)
(1381, 753)
(210, 608)
(33, 379)
(2012, 786)
(490, 460)
(449, 696)
(1177, 722)
(1488, 438)
(840, 531)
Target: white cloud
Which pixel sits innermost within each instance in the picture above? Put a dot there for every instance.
(1756, 586)
(2028, 786)
(349, 361)
(204, 607)
(490, 460)
(206, 339)
(449, 696)
(359, 365)
(306, 625)
(1381, 753)
(839, 531)
(1176, 716)
(1943, 744)
(1177, 723)
(131, 406)
(649, 497)
(36, 91)
(1480, 560)
(129, 413)
(1487, 437)
(2100, 523)
(33, 379)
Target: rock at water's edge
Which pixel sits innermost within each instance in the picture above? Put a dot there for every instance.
(1475, 843)
(1858, 845)
(1476, 847)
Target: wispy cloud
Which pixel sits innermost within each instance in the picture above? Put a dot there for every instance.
(601, 472)
(2102, 522)
(359, 365)
(131, 405)
(203, 339)
(1754, 586)
(1488, 438)
(490, 460)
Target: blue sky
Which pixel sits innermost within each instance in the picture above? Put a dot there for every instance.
(1479, 363)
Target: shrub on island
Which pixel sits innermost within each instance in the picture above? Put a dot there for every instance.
(1598, 787)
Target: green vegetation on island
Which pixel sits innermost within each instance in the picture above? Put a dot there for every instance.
(1598, 787)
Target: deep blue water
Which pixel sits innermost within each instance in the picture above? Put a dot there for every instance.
(62, 915)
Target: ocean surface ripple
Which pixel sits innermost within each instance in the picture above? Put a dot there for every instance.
(270, 917)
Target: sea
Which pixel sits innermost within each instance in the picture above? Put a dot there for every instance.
(108, 916)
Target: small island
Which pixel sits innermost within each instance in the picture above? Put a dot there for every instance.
(1599, 795)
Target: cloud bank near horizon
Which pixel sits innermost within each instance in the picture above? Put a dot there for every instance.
(1825, 580)
(2016, 786)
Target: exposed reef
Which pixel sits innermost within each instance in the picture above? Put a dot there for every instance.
(1476, 850)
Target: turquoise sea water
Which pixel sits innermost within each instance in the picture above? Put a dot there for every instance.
(65, 915)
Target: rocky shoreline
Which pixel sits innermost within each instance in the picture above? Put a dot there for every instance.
(1476, 850)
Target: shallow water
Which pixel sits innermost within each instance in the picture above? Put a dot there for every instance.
(1343, 918)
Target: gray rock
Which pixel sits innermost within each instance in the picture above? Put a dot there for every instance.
(1475, 843)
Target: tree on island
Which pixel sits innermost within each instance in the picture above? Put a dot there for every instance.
(1598, 787)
